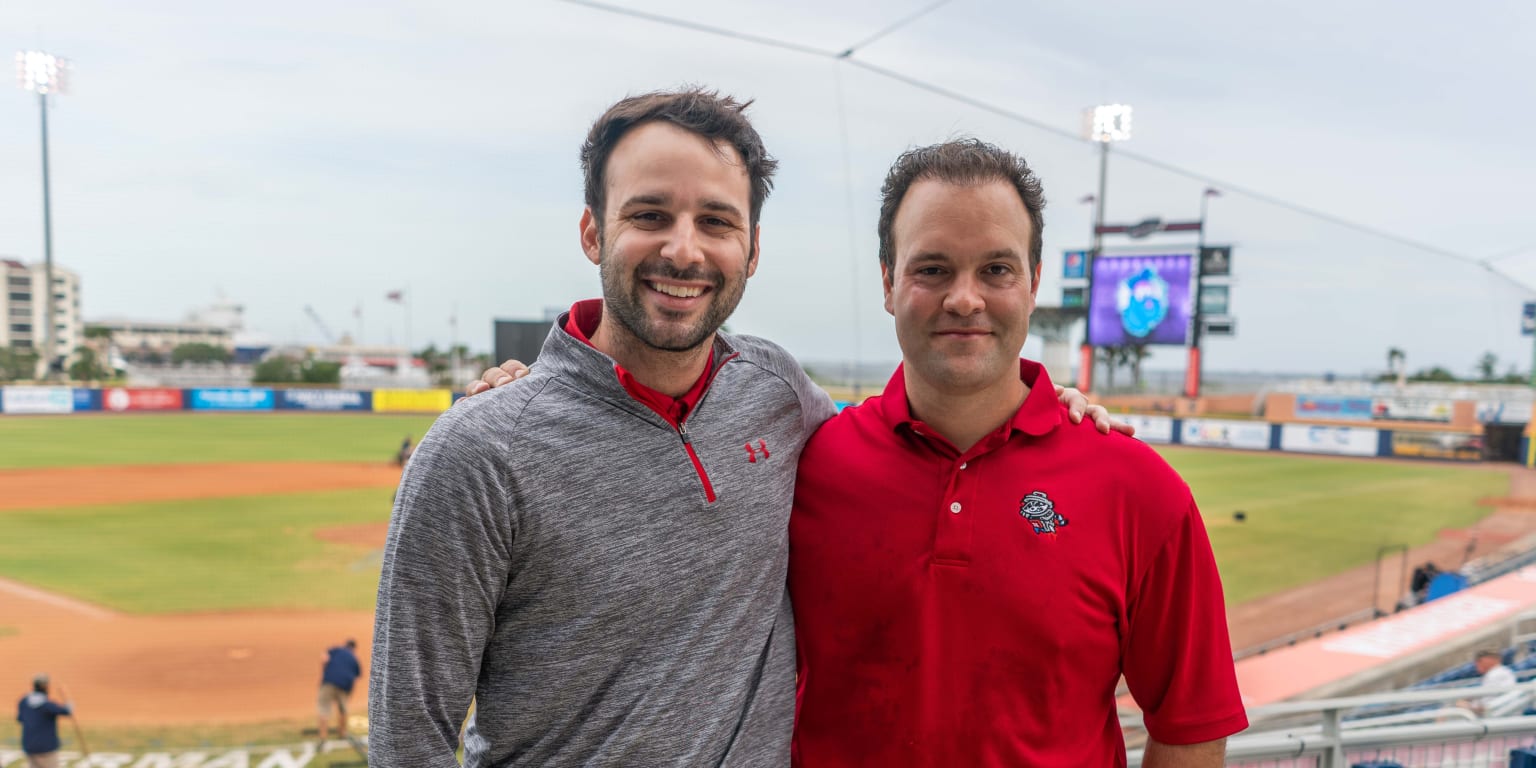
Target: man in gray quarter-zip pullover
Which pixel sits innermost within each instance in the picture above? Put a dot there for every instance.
(596, 554)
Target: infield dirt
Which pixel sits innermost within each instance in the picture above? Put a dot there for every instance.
(246, 666)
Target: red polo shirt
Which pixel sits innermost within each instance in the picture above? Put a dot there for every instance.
(979, 608)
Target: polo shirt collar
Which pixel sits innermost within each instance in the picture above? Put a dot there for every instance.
(1037, 415)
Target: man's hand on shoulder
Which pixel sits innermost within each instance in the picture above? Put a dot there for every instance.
(506, 373)
(1077, 406)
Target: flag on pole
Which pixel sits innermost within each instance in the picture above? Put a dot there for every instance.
(395, 296)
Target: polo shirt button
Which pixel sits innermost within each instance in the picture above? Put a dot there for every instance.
(955, 507)
(964, 464)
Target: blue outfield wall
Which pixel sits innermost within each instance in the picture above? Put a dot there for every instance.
(1315, 439)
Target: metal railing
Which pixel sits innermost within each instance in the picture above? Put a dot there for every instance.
(1450, 736)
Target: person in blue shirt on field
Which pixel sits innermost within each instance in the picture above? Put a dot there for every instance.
(39, 718)
(341, 670)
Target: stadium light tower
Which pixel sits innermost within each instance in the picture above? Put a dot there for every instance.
(44, 74)
(1105, 124)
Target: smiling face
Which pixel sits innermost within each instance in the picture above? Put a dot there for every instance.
(961, 289)
(676, 246)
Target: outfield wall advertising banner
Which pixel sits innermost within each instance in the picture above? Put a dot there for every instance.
(324, 400)
(1335, 408)
(37, 399)
(1140, 300)
(87, 399)
(1216, 433)
(1457, 446)
(122, 399)
(1413, 409)
(228, 399)
(411, 400)
(1344, 441)
(1150, 429)
(1503, 412)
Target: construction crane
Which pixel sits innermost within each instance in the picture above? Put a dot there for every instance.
(330, 338)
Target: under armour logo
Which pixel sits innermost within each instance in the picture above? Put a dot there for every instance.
(752, 452)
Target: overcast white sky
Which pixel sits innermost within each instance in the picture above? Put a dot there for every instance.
(323, 153)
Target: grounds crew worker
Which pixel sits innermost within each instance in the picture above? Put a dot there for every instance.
(341, 670)
(39, 718)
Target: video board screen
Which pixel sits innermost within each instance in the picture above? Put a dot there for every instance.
(1140, 300)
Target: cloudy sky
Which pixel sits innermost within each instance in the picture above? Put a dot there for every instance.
(324, 153)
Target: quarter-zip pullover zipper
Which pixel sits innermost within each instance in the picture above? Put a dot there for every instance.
(698, 466)
(682, 432)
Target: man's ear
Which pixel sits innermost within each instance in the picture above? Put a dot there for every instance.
(885, 282)
(1034, 282)
(757, 250)
(591, 238)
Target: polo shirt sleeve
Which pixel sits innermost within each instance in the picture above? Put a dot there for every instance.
(54, 708)
(1177, 655)
(445, 568)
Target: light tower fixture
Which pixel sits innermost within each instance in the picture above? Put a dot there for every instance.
(41, 72)
(1110, 122)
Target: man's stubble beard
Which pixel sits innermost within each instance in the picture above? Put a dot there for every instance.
(628, 307)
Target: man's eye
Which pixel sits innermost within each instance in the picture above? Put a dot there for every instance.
(929, 271)
(999, 269)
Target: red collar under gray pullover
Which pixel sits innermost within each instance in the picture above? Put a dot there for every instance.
(554, 555)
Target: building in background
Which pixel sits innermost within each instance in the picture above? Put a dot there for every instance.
(154, 339)
(221, 324)
(24, 305)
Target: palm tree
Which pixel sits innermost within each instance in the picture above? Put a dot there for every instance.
(1134, 354)
(1487, 365)
(1397, 363)
(1110, 355)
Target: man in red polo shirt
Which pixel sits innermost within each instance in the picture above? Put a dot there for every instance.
(971, 573)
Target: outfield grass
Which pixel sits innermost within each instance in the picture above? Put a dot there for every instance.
(203, 554)
(96, 439)
(1311, 517)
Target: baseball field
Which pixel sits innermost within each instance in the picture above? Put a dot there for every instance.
(186, 571)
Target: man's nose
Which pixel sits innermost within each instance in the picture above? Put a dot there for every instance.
(683, 247)
(964, 296)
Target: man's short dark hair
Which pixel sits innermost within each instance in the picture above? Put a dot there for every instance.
(965, 162)
(351, 643)
(1487, 654)
(692, 108)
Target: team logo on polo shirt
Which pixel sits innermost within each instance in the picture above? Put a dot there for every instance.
(1040, 511)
